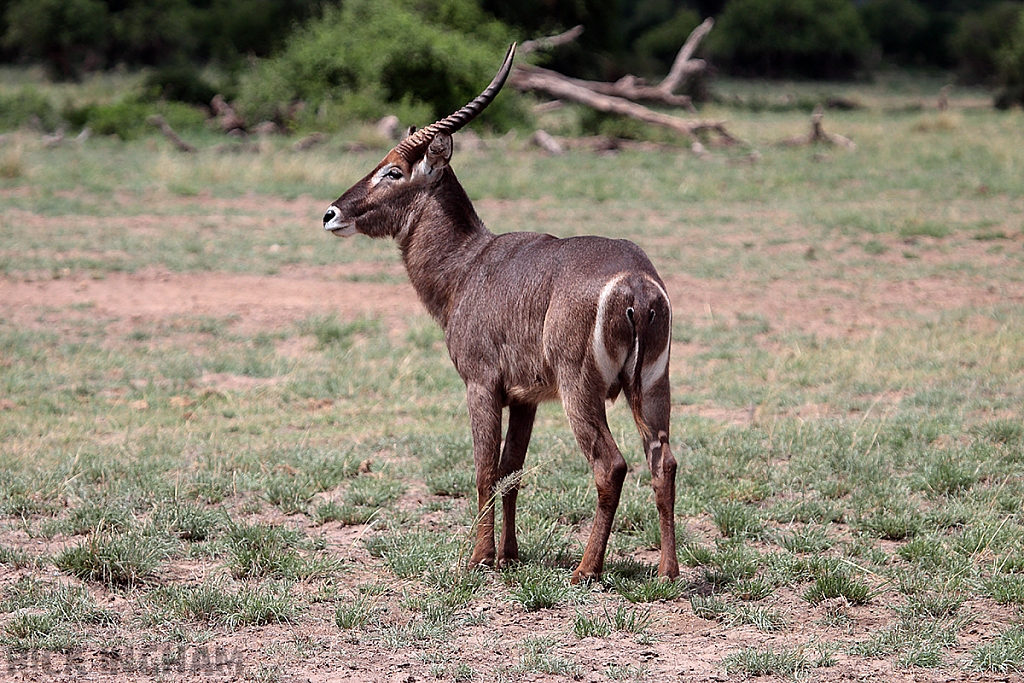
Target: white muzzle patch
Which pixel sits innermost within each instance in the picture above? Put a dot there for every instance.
(334, 224)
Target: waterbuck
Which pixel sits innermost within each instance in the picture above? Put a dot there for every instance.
(527, 317)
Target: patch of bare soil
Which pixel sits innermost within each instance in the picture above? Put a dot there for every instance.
(255, 302)
(855, 305)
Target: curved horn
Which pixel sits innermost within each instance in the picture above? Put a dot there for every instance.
(454, 122)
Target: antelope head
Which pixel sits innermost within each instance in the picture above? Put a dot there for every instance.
(380, 203)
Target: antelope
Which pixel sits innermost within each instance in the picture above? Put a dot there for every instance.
(527, 317)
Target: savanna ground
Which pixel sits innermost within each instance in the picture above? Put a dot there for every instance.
(233, 446)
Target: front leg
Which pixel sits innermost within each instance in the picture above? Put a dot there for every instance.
(517, 439)
(485, 420)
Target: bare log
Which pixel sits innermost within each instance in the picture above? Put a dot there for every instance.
(818, 135)
(551, 41)
(308, 142)
(54, 140)
(542, 80)
(389, 127)
(165, 128)
(543, 139)
(684, 64)
(225, 116)
(630, 87)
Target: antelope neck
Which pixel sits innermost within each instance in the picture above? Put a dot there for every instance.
(439, 245)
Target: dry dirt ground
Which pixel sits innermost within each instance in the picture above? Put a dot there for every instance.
(689, 648)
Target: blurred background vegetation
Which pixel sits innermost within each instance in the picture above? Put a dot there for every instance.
(305, 63)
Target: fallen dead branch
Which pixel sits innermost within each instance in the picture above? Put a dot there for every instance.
(818, 134)
(310, 141)
(551, 41)
(225, 116)
(620, 97)
(543, 139)
(604, 144)
(165, 128)
(684, 64)
(541, 80)
(628, 87)
(631, 87)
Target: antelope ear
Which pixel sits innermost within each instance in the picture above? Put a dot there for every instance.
(439, 153)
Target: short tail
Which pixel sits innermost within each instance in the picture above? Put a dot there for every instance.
(639, 320)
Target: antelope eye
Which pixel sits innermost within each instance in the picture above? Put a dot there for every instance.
(394, 174)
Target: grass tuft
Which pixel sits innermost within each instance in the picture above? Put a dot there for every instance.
(125, 559)
(735, 519)
(539, 658)
(753, 661)
(588, 626)
(47, 615)
(1005, 654)
(837, 585)
(536, 588)
(221, 603)
(355, 613)
(260, 551)
(649, 589)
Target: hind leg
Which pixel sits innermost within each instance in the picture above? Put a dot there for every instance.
(517, 439)
(657, 411)
(587, 418)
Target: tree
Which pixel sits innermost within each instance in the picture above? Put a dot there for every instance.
(981, 37)
(774, 38)
(68, 35)
(899, 27)
(1011, 68)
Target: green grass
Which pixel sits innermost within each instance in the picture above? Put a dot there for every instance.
(48, 616)
(353, 614)
(258, 551)
(221, 604)
(766, 662)
(838, 585)
(539, 657)
(124, 559)
(536, 588)
(847, 385)
(1003, 655)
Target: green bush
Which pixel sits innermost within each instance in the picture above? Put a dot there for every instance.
(369, 58)
(180, 83)
(26, 106)
(775, 38)
(126, 118)
(980, 38)
(1011, 68)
